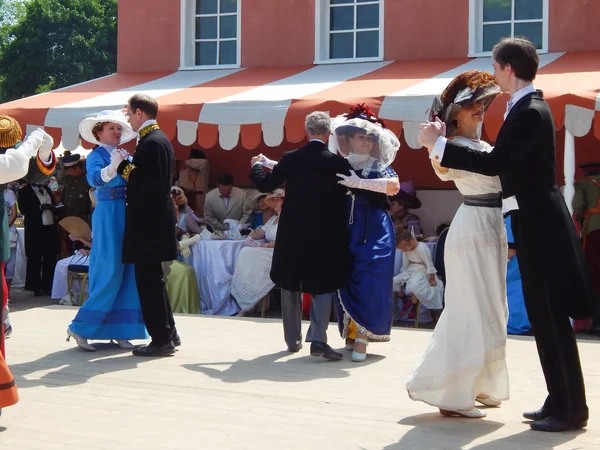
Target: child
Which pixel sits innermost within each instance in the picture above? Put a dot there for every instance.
(418, 275)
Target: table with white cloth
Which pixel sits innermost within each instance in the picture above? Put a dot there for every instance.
(18, 280)
(214, 263)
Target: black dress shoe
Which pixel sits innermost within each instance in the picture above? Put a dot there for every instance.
(322, 349)
(296, 348)
(540, 414)
(155, 350)
(176, 340)
(552, 424)
(38, 293)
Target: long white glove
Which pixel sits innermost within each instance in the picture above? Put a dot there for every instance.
(46, 148)
(33, 142)
(110, 171)
(356, 182)
(266, 162)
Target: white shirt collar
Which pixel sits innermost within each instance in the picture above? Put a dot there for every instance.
(317, 140)
(147, 123)
(521, 93)
(107, 147)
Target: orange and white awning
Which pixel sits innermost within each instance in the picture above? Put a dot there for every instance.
(250, 107)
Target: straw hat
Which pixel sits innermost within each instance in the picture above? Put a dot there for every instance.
(10, 131)
(77, 227)
(86, 126)
(277, 193)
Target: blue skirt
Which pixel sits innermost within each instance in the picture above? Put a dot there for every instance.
(367, 298)
(112, 310)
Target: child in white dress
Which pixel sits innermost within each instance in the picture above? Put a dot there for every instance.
(418, 276)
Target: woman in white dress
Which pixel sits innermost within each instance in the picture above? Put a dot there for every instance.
(418, 274)
(251, 280)
(465, 360)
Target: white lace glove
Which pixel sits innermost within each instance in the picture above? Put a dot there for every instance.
(33, 142)
(356, 182)
(110, 171)
(46, 148)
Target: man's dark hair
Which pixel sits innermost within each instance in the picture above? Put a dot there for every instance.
(197, 154)
(144, 103)
(521, 54)
(225, 179)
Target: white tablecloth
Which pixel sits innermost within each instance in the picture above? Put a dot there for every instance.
(398, 258)
(21, 261)
(214, 262)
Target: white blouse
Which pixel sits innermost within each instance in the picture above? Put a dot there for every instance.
(270, 229)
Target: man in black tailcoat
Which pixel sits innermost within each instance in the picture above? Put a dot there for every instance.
(311, 254)
(150, 222)
(556, 281)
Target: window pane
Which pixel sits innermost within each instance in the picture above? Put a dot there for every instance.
(367, 44)
(532, 31)
(228, 26)
(496, 10)
(206, 53)
(341, 45)
(342, 18)
(228, 6)
(206, 7)
(206, 27)
(492, 34)
(528, 9)
(339, 2)
(364, 1)
(228, 52)
(367, 16)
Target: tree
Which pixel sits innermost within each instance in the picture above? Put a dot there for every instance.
(57, 43)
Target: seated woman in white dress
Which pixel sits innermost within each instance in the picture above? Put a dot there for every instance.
(251, 277)
(418, 274)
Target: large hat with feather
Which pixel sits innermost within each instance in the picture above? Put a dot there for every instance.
(87, 125)
(473, 86)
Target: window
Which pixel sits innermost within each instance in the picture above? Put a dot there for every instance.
(210, 33)
(492, 20)
(349, 30)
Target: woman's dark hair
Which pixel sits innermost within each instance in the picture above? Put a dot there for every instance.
(521, 54)
(225, 179)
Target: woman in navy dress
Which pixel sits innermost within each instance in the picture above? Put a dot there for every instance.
(366, 303)
(112, 310)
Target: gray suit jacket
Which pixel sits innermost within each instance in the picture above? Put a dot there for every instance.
(215, 212)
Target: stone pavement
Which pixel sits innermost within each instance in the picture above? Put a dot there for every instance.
(230, 386)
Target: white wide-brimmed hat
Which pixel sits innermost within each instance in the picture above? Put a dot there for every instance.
(87, 124)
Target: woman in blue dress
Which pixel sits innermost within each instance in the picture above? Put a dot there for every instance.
(366, 303)
(518, 321)
(112, 310)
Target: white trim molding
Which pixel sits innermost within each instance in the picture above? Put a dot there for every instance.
(322, 31)
(476, 25)
(188, 38)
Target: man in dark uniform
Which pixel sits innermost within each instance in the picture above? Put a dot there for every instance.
(149, 243)
(74, 197)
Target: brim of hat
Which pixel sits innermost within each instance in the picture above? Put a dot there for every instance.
(87, 124)
(404, 197)
(269, 200)
(342, 129)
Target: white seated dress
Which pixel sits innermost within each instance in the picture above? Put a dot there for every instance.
(251, 277)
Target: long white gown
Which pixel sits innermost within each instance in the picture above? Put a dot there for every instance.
(467, 351)
(251, 278)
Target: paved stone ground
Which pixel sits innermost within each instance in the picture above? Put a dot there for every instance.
(230, 386)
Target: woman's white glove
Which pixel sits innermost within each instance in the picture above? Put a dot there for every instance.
(110, 171)
(33, 142)
(46, 148)
(356, 182)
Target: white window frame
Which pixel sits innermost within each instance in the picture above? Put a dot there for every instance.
(476, 27)
(188, 39)
(322, 15)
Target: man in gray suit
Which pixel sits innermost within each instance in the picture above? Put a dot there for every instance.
(225, 202)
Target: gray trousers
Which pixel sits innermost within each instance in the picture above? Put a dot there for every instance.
(291, 313)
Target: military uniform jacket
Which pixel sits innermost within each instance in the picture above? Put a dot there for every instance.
(76, 199)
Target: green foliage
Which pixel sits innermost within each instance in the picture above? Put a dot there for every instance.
(56, 43)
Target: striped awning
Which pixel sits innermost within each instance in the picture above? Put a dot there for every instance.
(267, 105)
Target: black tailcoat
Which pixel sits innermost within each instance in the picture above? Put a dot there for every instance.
(556, 281)
(150, 215)
(311, 250)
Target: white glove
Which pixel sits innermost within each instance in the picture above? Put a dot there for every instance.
(356, 182)
(251, 243)
(110, 171)
(46, 148)
(266, 162)
(123, 153)
(33, 142)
